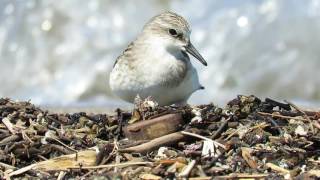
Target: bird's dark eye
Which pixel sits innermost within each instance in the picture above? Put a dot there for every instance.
(173, 32)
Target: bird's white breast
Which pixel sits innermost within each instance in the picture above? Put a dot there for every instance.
(154, 72)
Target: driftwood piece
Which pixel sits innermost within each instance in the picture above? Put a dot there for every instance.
(153, 128)
(65, 162)
(243, 175)
(186, 171)
(155, 143)
(246, 154)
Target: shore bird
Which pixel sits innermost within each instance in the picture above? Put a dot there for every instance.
(157, 63)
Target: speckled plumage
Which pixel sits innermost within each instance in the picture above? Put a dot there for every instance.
(156, 64)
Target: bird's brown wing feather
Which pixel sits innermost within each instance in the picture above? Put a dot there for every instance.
(124, 53)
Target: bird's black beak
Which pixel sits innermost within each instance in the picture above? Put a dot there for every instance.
(193, 51)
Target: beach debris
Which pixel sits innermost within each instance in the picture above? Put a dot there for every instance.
(248, 139)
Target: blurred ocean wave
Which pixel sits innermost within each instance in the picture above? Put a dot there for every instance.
(60, 54)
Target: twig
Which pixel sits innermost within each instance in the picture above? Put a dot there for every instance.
(282, 116)
(186, 171)
(7, 166)
(10, 139)
(62, 163)
(60, 142)
(61, 175)
(22, 170)
(242, 175)
(201, 171)
(204, 138)
(211, 163)
(9, 125)
(134, 143)
(246, 155)
(221, 128)
(201, 178)
(61, 149)
(155, 143)
(277, 168)
(314, 161)
(112, 165)
(41, 157)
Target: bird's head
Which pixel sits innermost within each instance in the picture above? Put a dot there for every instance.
(174, 31)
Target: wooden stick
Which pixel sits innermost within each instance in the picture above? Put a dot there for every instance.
(61, 175)
(7, 166)
(200, 178)
(242, 175)
(155, 143)
(277, 168)
(204, 138)
(221, 128)
(9, 139)
(9, 125)
(186, 171)
(282, 116)
(60, 142)
(112, 165)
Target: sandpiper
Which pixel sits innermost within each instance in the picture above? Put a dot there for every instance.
(156, 64)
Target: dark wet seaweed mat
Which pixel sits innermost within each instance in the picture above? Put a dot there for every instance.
(247, 139)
